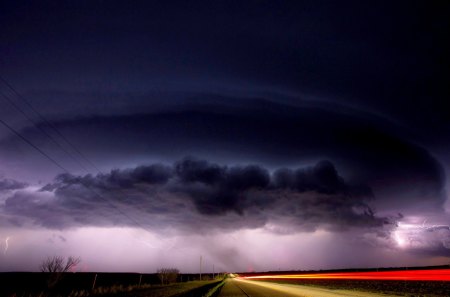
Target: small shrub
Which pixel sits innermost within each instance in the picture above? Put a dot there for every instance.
(167, 275)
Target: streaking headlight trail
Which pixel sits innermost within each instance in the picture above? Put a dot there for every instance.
(404, 275)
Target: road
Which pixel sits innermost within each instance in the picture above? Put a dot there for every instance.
(237, 287)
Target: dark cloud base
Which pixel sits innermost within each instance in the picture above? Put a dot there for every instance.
(369, 149)
(10, 184)
(195, 194)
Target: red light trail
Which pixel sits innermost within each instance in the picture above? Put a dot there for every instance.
(405, 275)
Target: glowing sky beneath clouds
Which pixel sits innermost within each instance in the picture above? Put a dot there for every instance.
(128, 249)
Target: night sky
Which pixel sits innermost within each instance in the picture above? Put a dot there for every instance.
(260, 135)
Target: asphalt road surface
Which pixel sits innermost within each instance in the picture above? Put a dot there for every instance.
(244, 288)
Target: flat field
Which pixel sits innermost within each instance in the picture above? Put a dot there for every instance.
(27, 284)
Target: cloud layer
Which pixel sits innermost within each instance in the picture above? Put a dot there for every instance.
(368, 149)
(10, 184)
(195, 194)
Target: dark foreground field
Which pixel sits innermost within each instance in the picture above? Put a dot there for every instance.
(106, 284)
(188, 285)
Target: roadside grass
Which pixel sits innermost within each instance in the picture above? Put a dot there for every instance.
(145, 290)
(216, 290)
(175, 289)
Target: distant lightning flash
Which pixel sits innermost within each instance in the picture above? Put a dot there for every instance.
(409, 235)
(6, 245)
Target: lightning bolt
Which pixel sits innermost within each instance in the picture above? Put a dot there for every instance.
(147, 243)
(6, 245)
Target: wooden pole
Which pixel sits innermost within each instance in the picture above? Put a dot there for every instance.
(200, 267)
(140, 280)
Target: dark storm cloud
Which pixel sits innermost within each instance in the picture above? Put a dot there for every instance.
(194, 192)
(322, 178)
(10, 184)
(282, 85)
(370, 149)
(375, 56)
(375, 75)
(217, 190)
(153, 174)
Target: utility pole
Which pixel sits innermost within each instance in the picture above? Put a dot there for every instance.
(200, 267)
(213, 271)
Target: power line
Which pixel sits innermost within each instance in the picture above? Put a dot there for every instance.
(48, 123)
(17, 133)
(53, 160)
(43, 131)
(31, 144)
